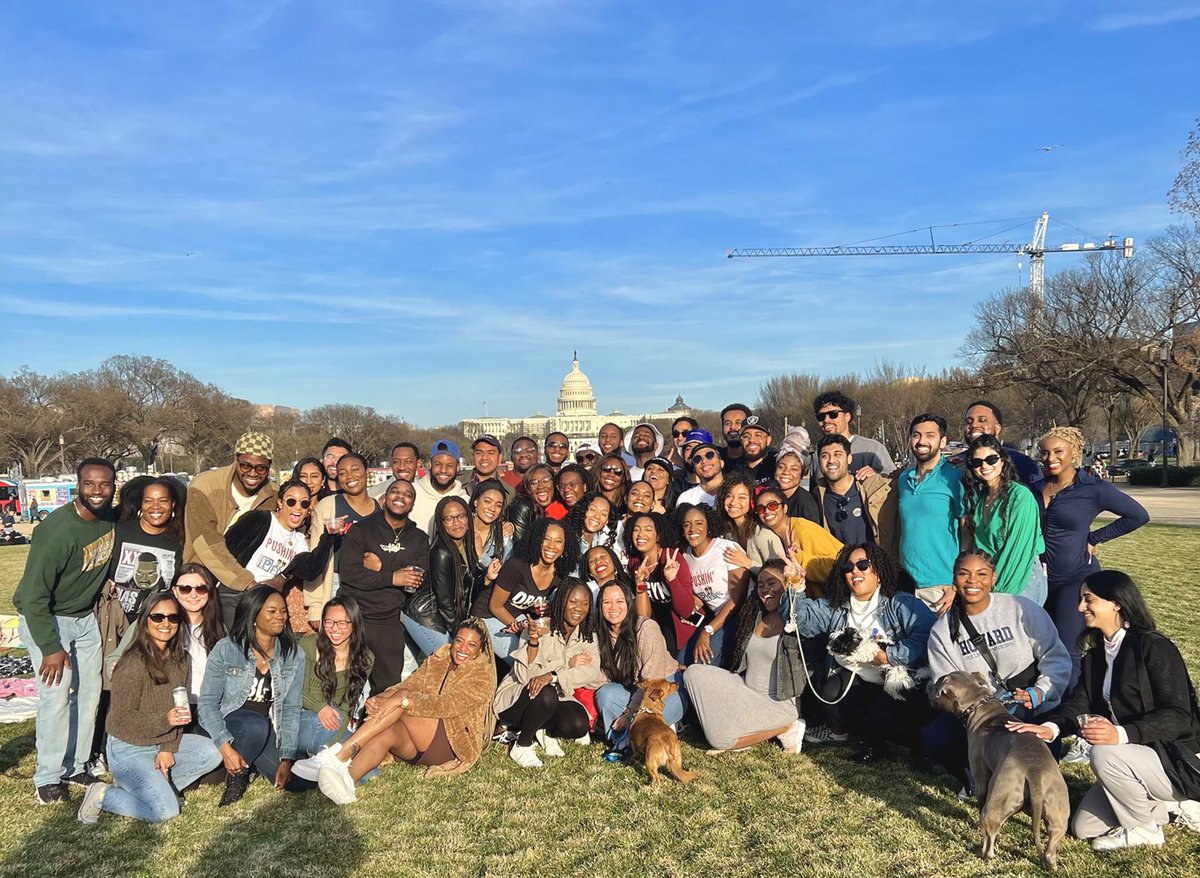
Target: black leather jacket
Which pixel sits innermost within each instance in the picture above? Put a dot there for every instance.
(432, 605)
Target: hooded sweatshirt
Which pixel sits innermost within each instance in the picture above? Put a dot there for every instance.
(635, 471)
(427, 500)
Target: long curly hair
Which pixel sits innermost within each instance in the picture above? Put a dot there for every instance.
(579, 512)
(619, 659)
(666, 535)
(975, 489)
(619, 492)
(710, 517)
(838, 593)
(360, 656)
(496, 531)
(729, 528)
(750, 613)
(529, 549)
(1072, 436)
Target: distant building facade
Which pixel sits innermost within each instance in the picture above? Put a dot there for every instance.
(575, 416)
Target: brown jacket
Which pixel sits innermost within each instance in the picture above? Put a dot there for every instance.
(464, 705)
(553, 656)
(881, 505)
(210, 508)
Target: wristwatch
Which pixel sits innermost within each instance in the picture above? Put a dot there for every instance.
(404, 702)
(709, 630)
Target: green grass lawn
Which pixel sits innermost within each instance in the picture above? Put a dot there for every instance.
(753, 814)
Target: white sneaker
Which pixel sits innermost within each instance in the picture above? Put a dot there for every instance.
(585, 740)
(336, 783)
(310, 768)
(1187, 815)
(92, 804)
(793, 739)
(525, 757)
(98, 767)
(965, 795)
(1079, 753)
(549, 744)
(1116, 839)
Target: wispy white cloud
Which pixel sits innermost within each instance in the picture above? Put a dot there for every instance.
(1145, 15)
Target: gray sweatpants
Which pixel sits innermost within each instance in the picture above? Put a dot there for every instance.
(728, 708)
(1131, 789)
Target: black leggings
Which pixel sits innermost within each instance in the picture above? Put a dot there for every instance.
(385, 639)
(562, 718)
(870, 714)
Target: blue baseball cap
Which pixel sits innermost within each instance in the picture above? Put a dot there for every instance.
(443, 446)
(702, 436)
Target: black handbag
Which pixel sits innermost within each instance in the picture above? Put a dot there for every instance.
(1021, 680)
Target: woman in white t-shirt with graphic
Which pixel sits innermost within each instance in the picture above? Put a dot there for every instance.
(273, 546)
(720, 585)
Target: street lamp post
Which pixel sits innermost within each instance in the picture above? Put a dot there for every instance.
(1164, 354)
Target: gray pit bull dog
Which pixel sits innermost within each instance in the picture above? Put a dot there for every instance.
(1013, 772)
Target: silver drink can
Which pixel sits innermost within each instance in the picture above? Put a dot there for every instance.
(180, 696)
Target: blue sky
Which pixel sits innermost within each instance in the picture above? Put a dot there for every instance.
(422, 206)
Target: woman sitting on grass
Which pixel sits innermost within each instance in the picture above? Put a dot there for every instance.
(739, 710)
(537, 698)
(632, 650)
(440, 717)
(861, 593)
(337, 666)
(250, 699)
(148, 754)
(1136, 705)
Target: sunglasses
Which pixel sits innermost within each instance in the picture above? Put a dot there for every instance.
(841, 514)
(556, 444)
(703, 455)
(862, 565)
(188, 589)
(612, 470)
(830, 414)
(173, 618)
(588, 457)
(680, 433)
(292, 501)
(769, 506)
(977, 462)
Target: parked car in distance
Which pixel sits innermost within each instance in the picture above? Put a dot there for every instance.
(1122, 467)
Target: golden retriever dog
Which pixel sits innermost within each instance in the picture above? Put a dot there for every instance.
(652, 738)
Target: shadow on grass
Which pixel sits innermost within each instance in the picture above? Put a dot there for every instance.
(16, 748)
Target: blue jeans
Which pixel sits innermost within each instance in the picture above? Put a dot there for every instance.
(314, 737)
(139, 789)
(613, 698)
(502, 642)
(66, 714)
(1037, 588)
(426, 639)
(687, 652)
(254, 739)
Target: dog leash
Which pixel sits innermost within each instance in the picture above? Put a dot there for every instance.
(804, 663)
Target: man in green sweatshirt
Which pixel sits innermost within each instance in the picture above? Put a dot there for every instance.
(64, 572)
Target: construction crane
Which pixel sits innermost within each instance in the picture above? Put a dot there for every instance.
(1036, 249)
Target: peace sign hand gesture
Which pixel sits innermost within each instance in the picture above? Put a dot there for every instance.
(793, 570)
(671, 564)
(645, 568)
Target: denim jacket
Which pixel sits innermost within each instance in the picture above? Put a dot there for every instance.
(228, 679)
(903, 616)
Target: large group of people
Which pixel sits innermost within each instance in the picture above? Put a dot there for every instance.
(311, 631)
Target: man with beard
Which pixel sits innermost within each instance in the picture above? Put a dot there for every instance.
(556, 447)
(708, 465)
(406, 463)
(984, 417)
(385, 557)
(642, 443)
(679, 433)
(758, 459)
(930, 505)
(442, 481)
(485, 455)
(218, 498)
(854, 512)
(686, 478)
(524, 454)
(732, 418)
(66, 567)
(835, 411)
(330, 455)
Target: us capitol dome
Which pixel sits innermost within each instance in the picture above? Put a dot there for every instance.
(575, 415)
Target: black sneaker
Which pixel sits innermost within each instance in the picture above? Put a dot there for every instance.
(235, 787)
(83, 779)
(51, 793)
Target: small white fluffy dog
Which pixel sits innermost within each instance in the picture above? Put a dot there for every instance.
(855, 646)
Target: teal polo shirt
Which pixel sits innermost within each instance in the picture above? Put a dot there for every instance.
(929, 513)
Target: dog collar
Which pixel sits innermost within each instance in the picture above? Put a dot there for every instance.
(966, 712)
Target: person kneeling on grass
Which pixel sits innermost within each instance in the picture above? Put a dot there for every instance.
(250, 699)
(337, 665)
(738, 710)
(148, 754)
(440, 717)
(1136, 705)
(560, 655)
